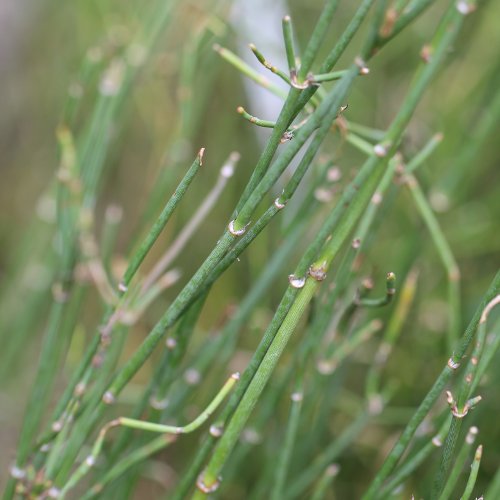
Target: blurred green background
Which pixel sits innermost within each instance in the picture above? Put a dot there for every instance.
(163, 123)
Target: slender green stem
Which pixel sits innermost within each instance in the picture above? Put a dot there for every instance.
(409, 15)
(391, 333)
(494, 488)
(260, 57)
(137, 456)
(289, 46)
(446, 256)
(328, 455)
(383, 301)
(471, 482)
(248, 71)
(162, 220)
(256, 386)
(431, 397)
(172, 429)
(459, 464)
(68, 209)
(254, 119)
(339, 48)
(147, 426)
(463, 404)
(286, 451)
(325, 482)
(424, 153)
(283, 308)
(317, 38)
(327, 77)
(414, 461)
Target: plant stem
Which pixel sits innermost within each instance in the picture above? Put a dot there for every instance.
(131, 459)
(248, 71)
(317, 38)
(414, 461)
(147, 426)
(473, 473)
(431, 397)
(289, 48)
(325, 482)
(461, 407)
(285, 454)
(162, 220)
(459, 464)
(329, 455)
(446, 256)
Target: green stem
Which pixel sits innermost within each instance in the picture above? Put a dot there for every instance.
(137, 456)
(248, 71)
(463, 404)
(391, 333)
(413, 462)
(147, 426)
(459, 464)
(404, 20)
(53, 346)
(328, 77)
(162, 220)
(317, 38)
(431, 397)
(424, 153)
(255, 388)
(289, 48)
(325, 482)
(286, 451)
(471, 482)
(339, 48)
(254, 119)
(329, 455)
(446, 256)
(383, 301)
(260, 57)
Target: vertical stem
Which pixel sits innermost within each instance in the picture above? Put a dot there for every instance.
(446, 256)
(290, 435)
(469, 487)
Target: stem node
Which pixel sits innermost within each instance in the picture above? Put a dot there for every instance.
(237, 232)
(204, 488)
